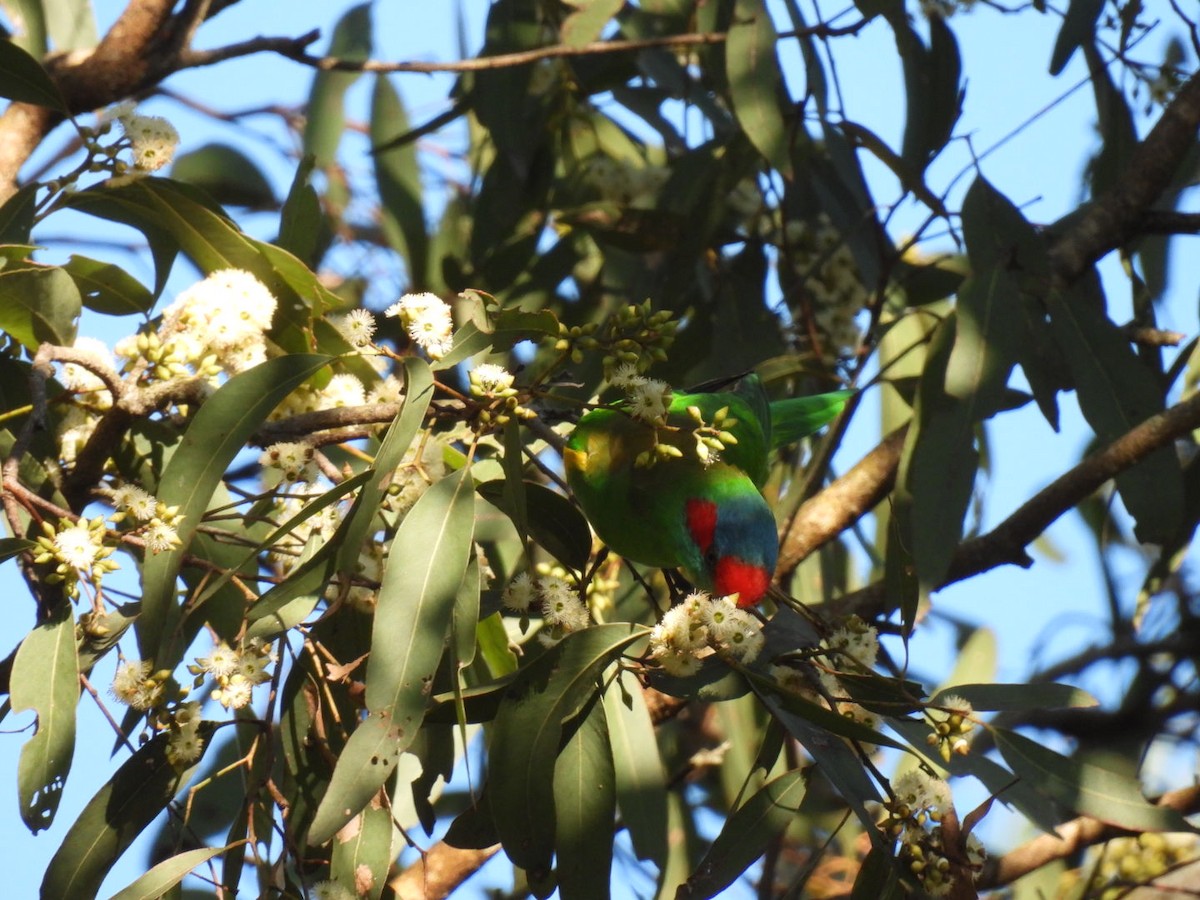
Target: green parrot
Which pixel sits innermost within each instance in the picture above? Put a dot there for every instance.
(661, 496)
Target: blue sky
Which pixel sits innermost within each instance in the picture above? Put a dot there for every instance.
(1037, 615)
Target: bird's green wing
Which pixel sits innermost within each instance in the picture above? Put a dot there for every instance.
(799, 417)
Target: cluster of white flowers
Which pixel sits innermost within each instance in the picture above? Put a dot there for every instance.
(951, 722)
(356, 326)
(293, 460)
(853, 649)
(831, 280)
(152, 139)
(136, 685)
(158, 524)
(235, 672)
(647, 399)
(554, 597)
(917, 803)
(428, 321)
(78, 552)
(184, 745)
(215, 327)
(686, 633)
(492, 381)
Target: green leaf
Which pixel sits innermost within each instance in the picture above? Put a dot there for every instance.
(421, 578)
(755, 85)
(45, 678)
(586, 23)
(937, 467)
(23, 79)
(638, 768)
(16, 215)
(877, 878)
(528, 729)
(39, 306)
(585, 805)
(999, 237)
(133, 798)
(228, 174)
(555, 523)
(10, 547)
(72, 24)
(1116, 393)
(303, 228)
(363, 850)
(293, 600)
(1087, 789)
(747, 833)
(1078, 28)
(108, 289)
(168, 873)
(326, 117)
(1035, 695)
(174, 216)
(402, 213)
(215, 436)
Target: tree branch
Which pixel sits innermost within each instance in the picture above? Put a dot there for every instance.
(1113, 219)
(824, 516)
(556, 51)
(1006, 542)
(1069, 839)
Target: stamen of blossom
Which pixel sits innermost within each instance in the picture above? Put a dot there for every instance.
(356, 326)
(520, 593)
(153, 140)
(428, 321)
(649, 399)
(490, 380)
(131, 499)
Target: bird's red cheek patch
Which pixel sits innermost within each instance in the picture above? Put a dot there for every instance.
(748, 581)
(702, 522)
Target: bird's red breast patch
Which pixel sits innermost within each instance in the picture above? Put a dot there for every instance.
(745, 579)
(702, 522)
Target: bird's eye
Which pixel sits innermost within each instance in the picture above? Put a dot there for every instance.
(710, 557)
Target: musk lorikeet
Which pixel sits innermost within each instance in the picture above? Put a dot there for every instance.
(705, 516)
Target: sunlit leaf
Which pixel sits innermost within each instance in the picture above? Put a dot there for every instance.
(362, 851)
(555, 523)
(23, 79)
(526, 734)
(45, 678)
(326, 117)
(585, 805)
(1085, 788)
(399, 179)
(39, 305)
(107, 288)
(747, 833)
(416, 598)
(214, 437)
(638, 768)
(133, 798)
(168, 873)
(755, 85)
